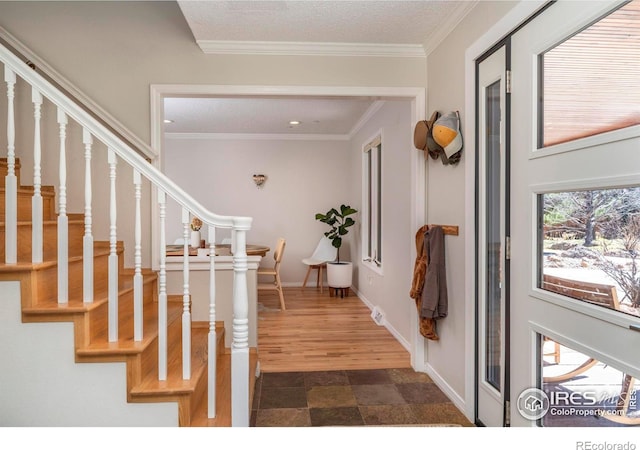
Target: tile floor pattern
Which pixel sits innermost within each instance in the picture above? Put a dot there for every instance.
(351, 398)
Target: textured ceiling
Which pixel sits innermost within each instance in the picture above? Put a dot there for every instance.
(225, 24)
(382, 22)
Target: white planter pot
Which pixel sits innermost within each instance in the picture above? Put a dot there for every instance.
(339, 274)
(195, 239)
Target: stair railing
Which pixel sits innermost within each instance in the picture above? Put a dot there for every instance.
(119, 149)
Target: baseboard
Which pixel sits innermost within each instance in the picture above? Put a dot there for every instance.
(385, 324)
(455, 398)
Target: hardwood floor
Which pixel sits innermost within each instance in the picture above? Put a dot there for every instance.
(318, 332)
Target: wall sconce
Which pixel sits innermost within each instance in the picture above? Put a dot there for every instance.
(259, 179)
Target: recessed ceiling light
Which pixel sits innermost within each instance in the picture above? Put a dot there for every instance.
(295, 122)
(168, 121)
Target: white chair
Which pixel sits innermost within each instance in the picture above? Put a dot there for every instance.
(324, 252)
(274, 272)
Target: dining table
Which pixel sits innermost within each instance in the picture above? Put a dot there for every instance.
(252, 250)
(221, 250)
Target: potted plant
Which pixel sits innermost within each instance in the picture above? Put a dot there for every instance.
(339, 273)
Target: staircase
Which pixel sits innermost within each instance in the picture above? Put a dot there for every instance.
(39, 304)
(119, 314)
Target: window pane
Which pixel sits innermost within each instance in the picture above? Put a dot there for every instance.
(584, 392)
(590, 82)
(591, 246)
(493, 310)
(372, 203)
(369, 203)
(379, 205)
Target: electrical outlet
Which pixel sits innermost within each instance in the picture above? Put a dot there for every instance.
(377, 315)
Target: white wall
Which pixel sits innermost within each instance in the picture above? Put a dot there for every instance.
(389, 290)
(446, 188)
(48, 388)
(304, 178)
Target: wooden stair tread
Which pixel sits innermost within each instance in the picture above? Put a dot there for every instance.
(77, 305)
(24, 194)
(174, 384)
(126, 345)
(75, 233)
(100, 248)
(45, 190)
(50, 222)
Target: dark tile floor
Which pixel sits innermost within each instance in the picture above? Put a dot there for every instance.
(351, 398)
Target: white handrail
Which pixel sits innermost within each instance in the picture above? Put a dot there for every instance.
(123, 150)
(115, 144)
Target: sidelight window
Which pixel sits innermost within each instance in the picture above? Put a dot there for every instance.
(372, 202)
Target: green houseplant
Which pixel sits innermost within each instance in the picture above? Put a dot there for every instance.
(339, 223)
(339, 273)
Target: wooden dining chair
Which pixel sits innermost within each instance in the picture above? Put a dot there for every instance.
(274, 272)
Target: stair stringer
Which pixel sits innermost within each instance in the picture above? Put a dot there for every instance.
(42, 385)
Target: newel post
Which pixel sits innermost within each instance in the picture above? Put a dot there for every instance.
(240, 407)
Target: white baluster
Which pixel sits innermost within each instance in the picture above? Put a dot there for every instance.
(63, 220)
(87, 241)
(212, 338)
(137, 261)
(186, 314)
(240, 343)
(162, 294)
(113, 255)
(11, 181)
(36, 200)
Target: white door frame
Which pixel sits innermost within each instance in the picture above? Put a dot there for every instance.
(492, 399)
(521, 12)
(416, 95)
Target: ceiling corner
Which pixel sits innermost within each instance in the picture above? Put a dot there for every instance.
(447, 26)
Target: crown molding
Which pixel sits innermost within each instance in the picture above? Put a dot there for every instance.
(448, 25)
(311, 48)
(257, 136)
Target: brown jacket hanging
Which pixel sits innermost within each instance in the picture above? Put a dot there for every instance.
(427, 325)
